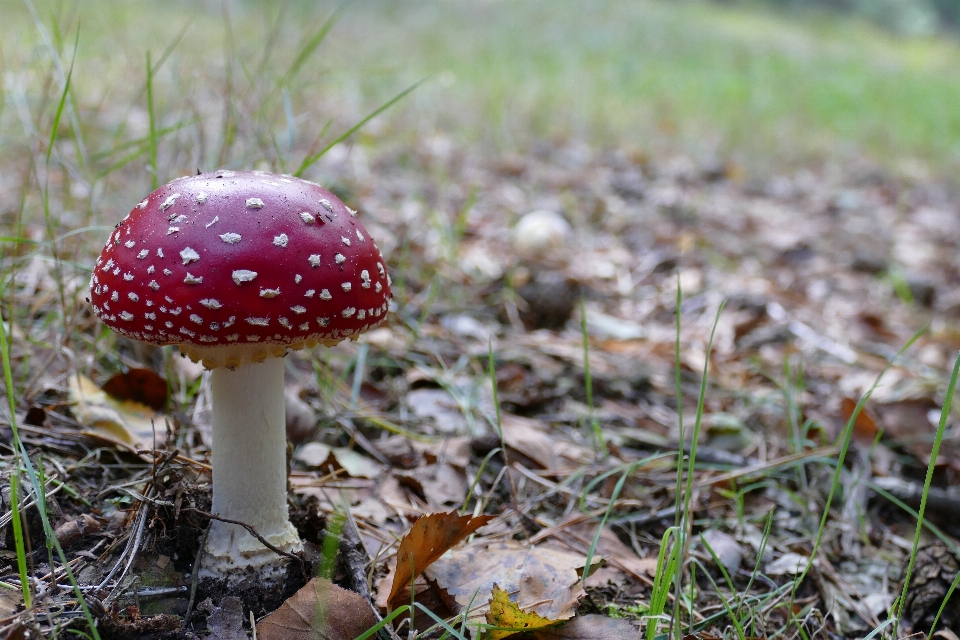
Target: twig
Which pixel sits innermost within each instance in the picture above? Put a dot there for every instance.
(253, 532)
(938, 499)
(195, 578)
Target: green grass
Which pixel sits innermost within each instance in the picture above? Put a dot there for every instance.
(751, 84)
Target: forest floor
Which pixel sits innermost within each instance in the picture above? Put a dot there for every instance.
(791, 331)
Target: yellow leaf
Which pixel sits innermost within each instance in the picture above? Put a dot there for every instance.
(509, 619)
(124, 422)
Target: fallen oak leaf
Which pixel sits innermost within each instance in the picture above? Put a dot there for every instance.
(319, 611)
(429, 538)
(507, 618)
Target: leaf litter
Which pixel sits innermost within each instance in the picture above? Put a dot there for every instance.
(827, 272)
(540, 375)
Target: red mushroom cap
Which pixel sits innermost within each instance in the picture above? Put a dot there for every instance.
(240, 266)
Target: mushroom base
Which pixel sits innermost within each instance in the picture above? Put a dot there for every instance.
(255, 593)
(230, 549)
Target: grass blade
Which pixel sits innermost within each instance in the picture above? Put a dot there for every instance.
(18, 535)
(311, 45)
(154, 177)
(938, 438)
(310, 160)
(588, 383)
(63, 101)
(847, 436)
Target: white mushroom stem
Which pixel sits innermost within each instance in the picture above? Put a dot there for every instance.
(249, 470)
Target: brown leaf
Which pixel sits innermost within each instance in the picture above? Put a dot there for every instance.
(319, 611)
(441, 485)
(528, 436)
(865, 428)
(140, 385)
(10, 601)
(905, 422)
(430, 537)
(317, 455)
(546, 581)
(591, 627)
(19, 632)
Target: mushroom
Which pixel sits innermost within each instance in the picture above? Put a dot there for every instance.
(237, 268)
(541, 234)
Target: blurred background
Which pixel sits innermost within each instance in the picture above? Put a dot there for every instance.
(757, 85)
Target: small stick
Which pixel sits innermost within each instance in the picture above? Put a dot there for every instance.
(938, 499)
(195, 578)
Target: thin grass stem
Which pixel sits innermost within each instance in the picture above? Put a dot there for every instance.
(937, 440)
(588, 384)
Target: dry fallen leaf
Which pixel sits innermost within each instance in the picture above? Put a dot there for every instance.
(430, 537)
(126, 423)
(530, 438)
(546, 581)
(140, 385)
(10, 601)
(317, 455)
(591, 627)
(319, 611)
(578, 534)
(510, 618)
(727, 549)
(864, 426)
(441, 485)
(226, 621)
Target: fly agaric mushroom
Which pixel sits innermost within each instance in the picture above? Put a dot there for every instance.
(236, 268)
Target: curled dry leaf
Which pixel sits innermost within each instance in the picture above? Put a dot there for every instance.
(441, 485)
(430, 537)
(10, 601)
(125, 423)
(319, 611)
(530, 438)
(577, 533)
(19, 632)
